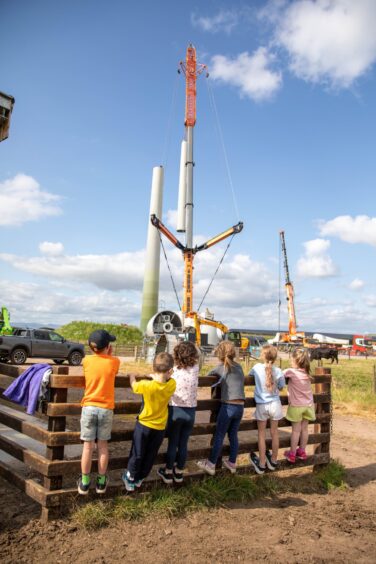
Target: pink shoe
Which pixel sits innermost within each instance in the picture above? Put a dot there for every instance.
(301, 454)
(290, 456)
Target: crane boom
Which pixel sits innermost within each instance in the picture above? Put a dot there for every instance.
(289, 289)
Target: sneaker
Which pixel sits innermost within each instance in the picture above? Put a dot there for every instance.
(138, 483)
(167, 477)
(269, 462)
(128, 483)
(290, 456)
(207, 466)
(255, 461)
(301, 454)
(82, 488)
(229, 465)
(101, 488)
(178, 476)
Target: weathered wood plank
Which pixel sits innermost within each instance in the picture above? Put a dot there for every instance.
(27, 485)
(65, 467)
(73, 437)
(131, 407)
(122, 380)
(17, 423)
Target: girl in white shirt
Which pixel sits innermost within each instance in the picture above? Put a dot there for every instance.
(182, 411)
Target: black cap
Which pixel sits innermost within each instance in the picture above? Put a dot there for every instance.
(100, 339)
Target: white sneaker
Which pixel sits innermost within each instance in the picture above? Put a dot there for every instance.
(207, 466)
(229, 465)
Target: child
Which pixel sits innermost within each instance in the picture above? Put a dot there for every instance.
(231, 410)
(182, 410)
(98, 403)
(151, 424)
(301, 409)
(268, 381)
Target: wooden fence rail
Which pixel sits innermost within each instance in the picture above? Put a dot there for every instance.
(52, 468)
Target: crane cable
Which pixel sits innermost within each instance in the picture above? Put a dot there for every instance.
(169, 124)
(222, 142)
(279, 285)
(215, 273)
(169, 269)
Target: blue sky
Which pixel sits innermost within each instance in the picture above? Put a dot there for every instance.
(99, 103)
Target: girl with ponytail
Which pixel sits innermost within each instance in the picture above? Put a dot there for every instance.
(231, 381)
(269, 380)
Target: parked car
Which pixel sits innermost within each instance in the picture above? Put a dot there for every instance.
(39, 343)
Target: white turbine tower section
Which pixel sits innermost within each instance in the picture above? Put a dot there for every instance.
(152, 259)
(182, 188)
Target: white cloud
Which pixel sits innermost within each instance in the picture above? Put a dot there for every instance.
(22, 200)
(356, 284)
(328, 41)
(51, 249)
(316, 263)
(359, 229)
(251, 73)
(40, 303)
(172, 218)
(223, 21)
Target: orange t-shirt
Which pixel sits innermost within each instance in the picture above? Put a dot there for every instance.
(100, 371)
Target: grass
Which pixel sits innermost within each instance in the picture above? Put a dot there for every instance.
(80, 331)
(203, 495)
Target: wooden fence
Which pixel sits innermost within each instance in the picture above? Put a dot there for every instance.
(49, 476)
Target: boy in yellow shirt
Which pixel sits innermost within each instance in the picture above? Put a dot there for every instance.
(151, 425)
(98, 403)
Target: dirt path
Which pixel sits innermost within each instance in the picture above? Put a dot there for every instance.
(336, 527)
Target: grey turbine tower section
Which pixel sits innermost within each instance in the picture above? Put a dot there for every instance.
(152, 259)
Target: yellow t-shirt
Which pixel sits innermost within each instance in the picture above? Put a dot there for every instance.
(100, 371)
(156, 396)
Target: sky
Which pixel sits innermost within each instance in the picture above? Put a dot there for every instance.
(284, 140)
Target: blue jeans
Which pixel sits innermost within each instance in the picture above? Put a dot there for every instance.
(228, 421)
(145, 446)
(179, 427)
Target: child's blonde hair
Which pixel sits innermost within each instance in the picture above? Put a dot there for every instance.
(269, 355)
(301, 360)
(226, 353)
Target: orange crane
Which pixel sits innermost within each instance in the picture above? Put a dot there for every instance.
(293, 335)
(191, 69)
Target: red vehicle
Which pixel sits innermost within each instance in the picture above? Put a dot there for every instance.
(360, 345)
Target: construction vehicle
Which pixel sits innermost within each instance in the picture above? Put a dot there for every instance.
(190, 318)
(293, 336)
(188, 255)
(5, 326)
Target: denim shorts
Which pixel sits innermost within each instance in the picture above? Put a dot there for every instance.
(96, 423)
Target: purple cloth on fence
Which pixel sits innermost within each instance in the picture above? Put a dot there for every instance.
(25, 389)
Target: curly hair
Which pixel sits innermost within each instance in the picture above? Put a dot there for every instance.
(185, 355)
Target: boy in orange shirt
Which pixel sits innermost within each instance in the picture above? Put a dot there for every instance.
(100, 370)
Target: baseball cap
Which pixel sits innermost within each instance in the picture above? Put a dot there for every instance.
(100, 339)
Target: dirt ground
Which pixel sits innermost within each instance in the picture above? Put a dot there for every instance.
(339, 526)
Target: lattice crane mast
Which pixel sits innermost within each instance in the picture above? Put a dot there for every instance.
(293, 334)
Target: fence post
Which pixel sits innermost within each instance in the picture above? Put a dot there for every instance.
(374, 379)
(57, 395)
(322, 408)
(215, 394)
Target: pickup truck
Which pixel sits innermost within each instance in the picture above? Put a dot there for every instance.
(39, 343)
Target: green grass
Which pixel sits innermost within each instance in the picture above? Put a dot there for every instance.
(203, 495)
(80, 331)
(332, 476)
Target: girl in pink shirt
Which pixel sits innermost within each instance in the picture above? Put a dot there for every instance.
(301, 409)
